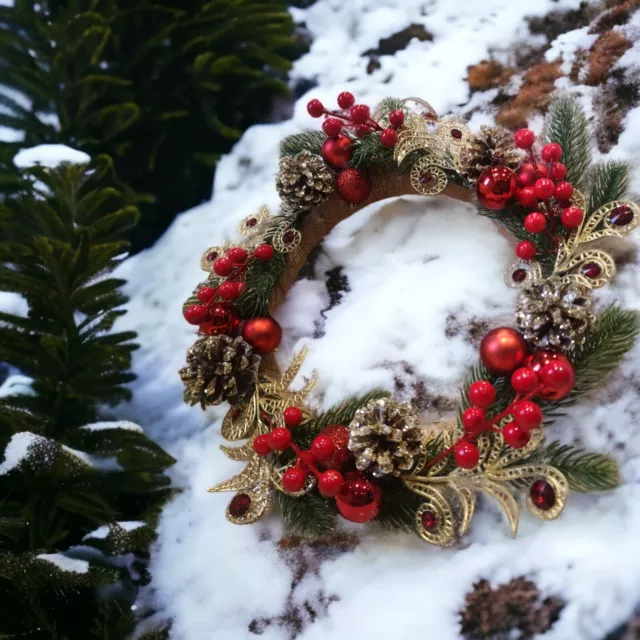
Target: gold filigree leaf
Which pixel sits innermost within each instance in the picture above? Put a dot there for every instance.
(261, 500)
(286, 239)
(253, 224)
(293, 369)
(443, 533)
(594, 261)
(426, 178)
(603, 216)
(246, 479)
(578, 200)
(410, 141)
(209, 257)
(453, 134)
(466, 497)
(239, 422)
(426, 107)
(510, 456)
(526, 273)
(240, 453)
(503, 496)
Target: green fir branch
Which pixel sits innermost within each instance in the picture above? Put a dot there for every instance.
(398, 507)
(504, 390)
(308, 516)
(389, 104)
(369, 150)
(609, 181)
(261, 278)
(311, 141)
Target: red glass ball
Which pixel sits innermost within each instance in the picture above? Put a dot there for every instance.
(526, 250)
(543, 495)
(264, 252)
(482, 393)
(524, 380)
(572, 217)
(339, 435)
(359, 498)
(551, 152)
(496, 186)
(535, 222)
(564, 190)
(473, 418)
(237, 255)
(396, 118)
(558, 171)
(330, 482)
(195, 314)
(228, 290)
(292, 417)
(527, 415)
(263, 334)
(337, 152)
(332, 127)
(527, 197)
(466, 455)
(516, 437)
(223, 267)
(221, 319)
(503, 350)
(293, 480)
(360, 113)
(322, 448)
(346, 100)
(389, 138)
(558, 375)
(353, 186)
(524, 138)
(206, 294)
(544, 188)
(261, 445)
(315, 108)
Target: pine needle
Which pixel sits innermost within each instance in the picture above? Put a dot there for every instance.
(369, 150)
(311, 141)
(609, 181)
(309, 516)
(398, 507)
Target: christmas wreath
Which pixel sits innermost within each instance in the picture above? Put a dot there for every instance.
(372, 458)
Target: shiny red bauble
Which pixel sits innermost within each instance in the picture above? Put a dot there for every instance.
(195, 314)
(292, 417)
(535, 222)
(527, 197)
(473, 419)
(564, 190)
(527, 415)
(346, 100)
(279, 439)
(526, 250)
(332, 127)
(466, 455)
(315, 108)
(337, 152)
(572, 217)
(482, 393)
(263, 334)
(293, 480)
(353, 186)
(359, 498)
(496, 186)
(544, 188)
(524, 380)
(264, 252)
(221, 319)
(537, 361)
(330, 482)
(322, 448)
(524, 138)
(558, 375)
(551, 152)
(261, 445)
(516, 437)
(339, 435)
(223, 266)
(389, 138)
(503, 350)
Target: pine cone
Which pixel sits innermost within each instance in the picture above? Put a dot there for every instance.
(554, 313)
(493, 146)
(304, 181)
(385, 437)
(219, 368)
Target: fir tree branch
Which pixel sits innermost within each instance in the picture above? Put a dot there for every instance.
(309, 516)
(369, 150)
(311, 141)
(261, 278)
(609, 181)
(398, 507)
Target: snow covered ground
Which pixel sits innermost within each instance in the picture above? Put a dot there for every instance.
(424, 276)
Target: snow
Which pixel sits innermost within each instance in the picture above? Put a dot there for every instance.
(102, 532)
(13, 303)
(49, 155)
(117, 424)
(18, 449)
(16, 384)
(65, 563)
(425, 280)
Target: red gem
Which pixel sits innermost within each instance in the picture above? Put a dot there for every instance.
(519, 275)
(252, 222)
(542, 495)
(239, 505)
(288, 236)
(591, 270)
(621, 216)
(429, 520)
(212, 256)
(426, 177)
(456, 133)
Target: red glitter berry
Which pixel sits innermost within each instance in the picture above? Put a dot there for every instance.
(332, 127)
(360, 113)
(535, 222)
(551, 152)
(396, 118)
(315, 108)
(526, 250)
(389, 138)
(572, 217)
(524, 138)
(346, 100)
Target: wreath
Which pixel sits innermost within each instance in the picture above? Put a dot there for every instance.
(372, 458)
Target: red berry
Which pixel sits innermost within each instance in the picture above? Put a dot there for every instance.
(206, 294)
(572, 217)
(322, 448)
(292, 417)
(346, 100)
(223, 267)
(466, 455)
(293, 480)
(362, 131)
(544, 188)
(360, 113)
(524, 380)
(524, 138)
(389, 138)
(535, 222)
(241, 286)
(526, 177)
(482, 393)
(551, 152)
(473, 418)
(264, 252)
(332, 127)
(558, 171)
(261, 445)
(527, 414)
(396, 118)
(315, 108)
(237, 255)
(558, 374)
(330, 482)
(279, 438)
(516, 437)
(526, 250)
(228, 290)
(306, 459)
(564, 190)
(195, 314)
(527, 197)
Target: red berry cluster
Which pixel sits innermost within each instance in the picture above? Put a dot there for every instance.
(321, 452)
(356, 117)
(541, 186)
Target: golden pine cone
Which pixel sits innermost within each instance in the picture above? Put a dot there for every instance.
(493, 146)
(304, 181)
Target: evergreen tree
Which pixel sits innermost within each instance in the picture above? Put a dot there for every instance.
(79, 498)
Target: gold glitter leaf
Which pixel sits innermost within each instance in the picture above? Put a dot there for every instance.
(246, 479)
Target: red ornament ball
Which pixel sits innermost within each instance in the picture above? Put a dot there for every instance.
(516, 437)
(544, 188)
(228, 290)
(315, 108)
(524, 138)
(337, 152)
(195, 314)
(503, 350)
(551, 152)
(332, 127)
(496, 186)
(396, 118)
(358, 499)
(237, 255)
(473, 418)
(264, 252)
(558, 375)
(222, 319)
(223, 267)
(524, 380)
(526, 250)
(558, 171)
(339, 435)
(564, 190)
(537, 361)
(527, 414)
(279, 439)
(353, 186)
(292, 417)
(206, 294)
(535, 222)
(527, 197)
(346, 100)
(389, 138)
(360, 113)
(263, 334)
(293, 480)
(466, 455)
(330, 482)
(322, 448)
(261, 445)
(572, 217)
(482, 393)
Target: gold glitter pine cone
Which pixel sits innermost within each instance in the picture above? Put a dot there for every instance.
(493, 146)
(219, 368)
(304, 180)
(385, 438)
(555, 314)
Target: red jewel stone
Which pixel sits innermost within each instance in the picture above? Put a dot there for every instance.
(591, 270)
(456, 133)
(239, 505)
(429, 520)
(543, 495)
(212, 256)
(252, 222)
(426, 177)
(519, 275)
(621, 216)
(288, 236)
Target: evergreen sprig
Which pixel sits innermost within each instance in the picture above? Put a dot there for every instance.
(310, 141)
(261, 278)
(309, 516)
(608, 182)
(369, 150)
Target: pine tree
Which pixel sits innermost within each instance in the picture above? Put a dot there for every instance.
(79, 497)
